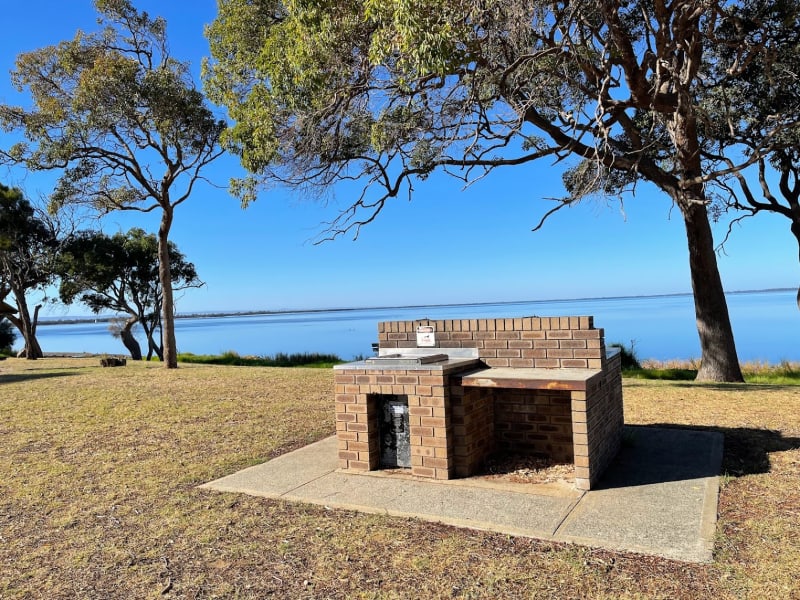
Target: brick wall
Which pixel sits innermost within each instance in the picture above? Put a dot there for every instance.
(604, 422)
(454, 428)
(357, 427)
(540, 342)
(472, 418)
(534, 422)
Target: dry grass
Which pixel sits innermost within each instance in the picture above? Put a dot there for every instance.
(98, 497)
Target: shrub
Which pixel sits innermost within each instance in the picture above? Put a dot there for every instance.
(281, 359)
(7, 336)
(628, 355)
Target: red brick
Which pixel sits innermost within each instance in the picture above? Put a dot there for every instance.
(523, 344)
(549, 344)
(439, 442)
(546, 363)
(496, 362)
(575, 363)
(423, 451)
(533, 335)
(559, 334)
(494, 344)
(438, 463)
(587, 334)
(423, 431)
(521, 363)
(508, 335)
(423, 472)
(432, 401)
(574, 344)
(535, 353)
(510, 353)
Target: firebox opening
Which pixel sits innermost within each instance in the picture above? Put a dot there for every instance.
(395, 436)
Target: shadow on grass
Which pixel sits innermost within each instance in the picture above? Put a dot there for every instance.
(17, 377)
(720, 387)
(662, 453)
(747, 449)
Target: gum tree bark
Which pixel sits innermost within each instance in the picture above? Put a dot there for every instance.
(129, 340)
(168, 342)
(717, 344)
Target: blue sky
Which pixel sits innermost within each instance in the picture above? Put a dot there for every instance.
(448, 245)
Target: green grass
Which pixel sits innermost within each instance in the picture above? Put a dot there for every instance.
(784, 373)
(233, 359)
(661, 374)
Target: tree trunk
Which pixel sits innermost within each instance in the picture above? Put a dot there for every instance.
(152, 347)
(167, 304)
(719, 361)
(128, 339)
(27, 328)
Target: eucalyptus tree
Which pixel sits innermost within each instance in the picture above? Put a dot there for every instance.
(28, 246)
(767, 88)
(120, 273)
(122, 121)
(385, 92)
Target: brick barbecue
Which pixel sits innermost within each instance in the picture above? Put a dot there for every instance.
(443, 396)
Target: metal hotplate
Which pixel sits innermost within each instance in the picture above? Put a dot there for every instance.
(406, 359)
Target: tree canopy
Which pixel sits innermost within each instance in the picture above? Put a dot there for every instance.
(28, 245)
(766, 87)
(120, 273)
(384, 92)
(121, 120)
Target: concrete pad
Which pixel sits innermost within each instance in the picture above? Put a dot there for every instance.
(281, 475)
(476, 507)
(659, 497)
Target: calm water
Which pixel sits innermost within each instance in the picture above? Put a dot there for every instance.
(766, 326)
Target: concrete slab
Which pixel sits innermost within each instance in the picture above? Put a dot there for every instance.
(659, 497)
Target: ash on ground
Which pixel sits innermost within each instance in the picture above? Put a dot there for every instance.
(515, 468)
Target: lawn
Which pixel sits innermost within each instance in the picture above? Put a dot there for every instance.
(99, 471)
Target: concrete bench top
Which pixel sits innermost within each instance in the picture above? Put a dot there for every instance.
(530, 379)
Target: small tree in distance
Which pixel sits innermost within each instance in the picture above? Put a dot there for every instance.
(120, 273)
(123, 122)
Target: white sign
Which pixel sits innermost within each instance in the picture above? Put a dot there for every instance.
(425, 336)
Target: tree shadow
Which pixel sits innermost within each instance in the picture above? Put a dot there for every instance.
(747, 449)
(17, 377)
(720, 387)
(664, 452)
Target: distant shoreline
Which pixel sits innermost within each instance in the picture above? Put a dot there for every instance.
(252, 313)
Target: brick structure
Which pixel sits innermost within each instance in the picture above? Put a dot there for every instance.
(536, 385)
